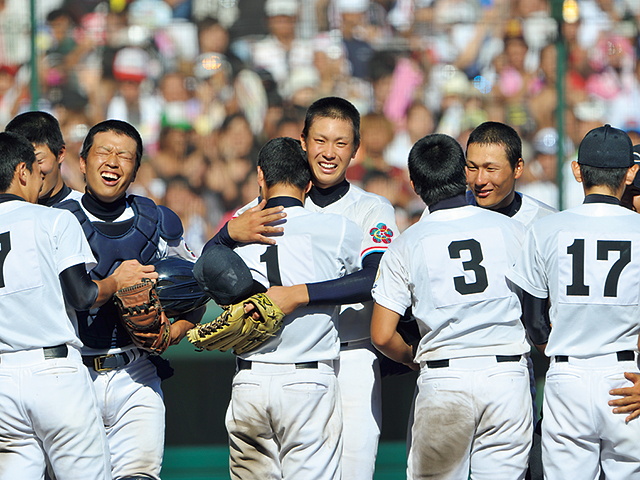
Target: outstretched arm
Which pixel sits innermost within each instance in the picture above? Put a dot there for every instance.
(83, 293)
(352, 288)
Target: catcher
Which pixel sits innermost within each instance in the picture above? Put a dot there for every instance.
(272, 433)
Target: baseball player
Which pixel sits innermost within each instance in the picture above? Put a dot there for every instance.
(48, 403)
(330, 138)
(494, 163)
(43, 131)
(120, 227)
(472, 407)
(586, 261)
(284, 419)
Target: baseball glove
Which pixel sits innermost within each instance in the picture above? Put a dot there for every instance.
(236, 329)
(141, 314)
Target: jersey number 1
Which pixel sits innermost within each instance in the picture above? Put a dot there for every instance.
(603, 247)
(5, 247)
(270, 257)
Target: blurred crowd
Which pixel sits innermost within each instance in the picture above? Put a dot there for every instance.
(207, 82)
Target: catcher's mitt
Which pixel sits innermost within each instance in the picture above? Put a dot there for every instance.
(141, 314)
(236, 329)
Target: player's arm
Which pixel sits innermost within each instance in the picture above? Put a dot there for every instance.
(385, 337)
(352, 288)
(630, 401)
(83, 293)
(250, 226)
(535, 315)
(187, 321)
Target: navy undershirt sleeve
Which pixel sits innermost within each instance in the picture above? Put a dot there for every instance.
(78, 288)
(536, 318)
(221, 238)
(352, 288)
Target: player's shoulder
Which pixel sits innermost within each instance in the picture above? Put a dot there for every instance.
(535, 204)
(363, 197)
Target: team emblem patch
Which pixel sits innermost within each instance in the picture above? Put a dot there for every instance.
(381, 233)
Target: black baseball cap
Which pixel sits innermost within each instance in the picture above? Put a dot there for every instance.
(606, 147)
(636, 159)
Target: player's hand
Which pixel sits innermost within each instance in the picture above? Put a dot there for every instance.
(289, 298)
(131, 272)
(251, 226)
(179, 330)
(630, 401)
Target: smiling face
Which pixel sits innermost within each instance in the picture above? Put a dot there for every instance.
(109, 167)
(490, 176)
(330, 148)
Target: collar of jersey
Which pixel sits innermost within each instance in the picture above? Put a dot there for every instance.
(599, 198)
(326, 196)
(52, 200)
(7, 197)
(283, 202)
(107, 212)
(452, 202)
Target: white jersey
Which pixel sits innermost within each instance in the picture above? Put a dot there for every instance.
(376, 218)
(450, 267)
(530, 210)
(313, 248)
(587, 260)
(37, 243)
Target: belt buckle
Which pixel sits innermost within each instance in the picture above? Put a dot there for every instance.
(99, 361)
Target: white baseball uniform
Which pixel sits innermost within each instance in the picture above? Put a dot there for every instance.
(284, 419)
(46, 397)
(587, 261)
(359, 373)
(472, 409)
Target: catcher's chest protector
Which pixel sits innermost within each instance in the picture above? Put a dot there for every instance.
(101, 328)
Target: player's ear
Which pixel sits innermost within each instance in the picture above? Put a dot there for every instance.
(631, 174)
(62, 154)
(575, 168)
(260, 178)
(413, 186)
(306, 190)
(303, 142)
(519, 168)
(83, 166)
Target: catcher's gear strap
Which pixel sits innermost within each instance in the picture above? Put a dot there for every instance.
(79, 290)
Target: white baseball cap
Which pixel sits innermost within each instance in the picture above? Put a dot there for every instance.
(287, 8)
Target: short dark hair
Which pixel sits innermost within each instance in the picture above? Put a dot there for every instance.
(282, 160)
(490, 133)
(116, 126)
(40, 128)
(611, 178)
(336, 108)
(437, 168)
(14, 149)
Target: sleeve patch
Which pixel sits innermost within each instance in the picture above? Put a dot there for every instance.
(381, 233)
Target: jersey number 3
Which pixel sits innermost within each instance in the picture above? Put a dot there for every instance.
(473, 264)
(5, 247)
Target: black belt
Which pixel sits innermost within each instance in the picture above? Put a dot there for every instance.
(104, 363)
(246, 364)
(623, 356)
(59, 351)
(499, 359)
